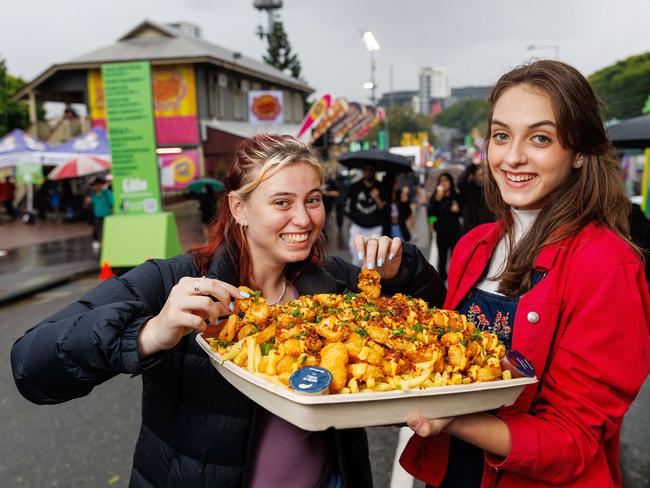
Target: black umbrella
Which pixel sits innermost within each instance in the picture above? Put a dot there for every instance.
(631, 133)
(378, 159)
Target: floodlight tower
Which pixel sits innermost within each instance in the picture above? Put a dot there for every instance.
(270, 6)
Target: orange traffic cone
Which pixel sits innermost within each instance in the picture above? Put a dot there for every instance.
(105, 272)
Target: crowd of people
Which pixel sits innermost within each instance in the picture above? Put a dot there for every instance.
(555, 276)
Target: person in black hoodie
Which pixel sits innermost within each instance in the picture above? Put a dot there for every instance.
(367, 208)
(445, 208)
(197, 430)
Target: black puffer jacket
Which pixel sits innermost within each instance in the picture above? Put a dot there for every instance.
(196, 428)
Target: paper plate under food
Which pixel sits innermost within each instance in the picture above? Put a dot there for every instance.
(366, 409)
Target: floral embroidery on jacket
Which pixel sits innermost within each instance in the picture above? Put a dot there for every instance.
(499, 326)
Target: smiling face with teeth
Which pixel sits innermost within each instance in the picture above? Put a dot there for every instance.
(525, 155)
(285, 216)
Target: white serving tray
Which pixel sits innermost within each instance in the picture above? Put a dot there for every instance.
(344, 411)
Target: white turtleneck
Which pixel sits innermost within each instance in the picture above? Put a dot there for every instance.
(522, 222)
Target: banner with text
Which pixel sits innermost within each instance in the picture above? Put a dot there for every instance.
(174, 98)
(128, 102)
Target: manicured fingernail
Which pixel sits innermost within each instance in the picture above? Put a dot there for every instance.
(370, 265)
(391, 256)
(413, 422)
(244, 294)
(380, 262)
(231, 306)
(360, 255)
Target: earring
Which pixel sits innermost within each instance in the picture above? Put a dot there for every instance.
(578, 164)
(242, 227)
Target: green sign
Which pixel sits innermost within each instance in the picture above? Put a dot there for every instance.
(29, 173)
(646, 107)
(382, 139)
(129, 113)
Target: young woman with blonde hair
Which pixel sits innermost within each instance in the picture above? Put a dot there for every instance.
(197, 430)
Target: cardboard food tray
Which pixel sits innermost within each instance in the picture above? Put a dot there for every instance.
(344, 411)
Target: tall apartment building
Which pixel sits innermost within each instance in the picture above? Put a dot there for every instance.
(433, 85)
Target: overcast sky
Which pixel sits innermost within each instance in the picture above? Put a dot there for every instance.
(476, 40)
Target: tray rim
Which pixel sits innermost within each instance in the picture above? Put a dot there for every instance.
(291, 395)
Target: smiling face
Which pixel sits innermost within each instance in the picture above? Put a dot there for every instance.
(525, 155)
(284, 214)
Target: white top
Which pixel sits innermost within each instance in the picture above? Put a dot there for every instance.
(523, 220)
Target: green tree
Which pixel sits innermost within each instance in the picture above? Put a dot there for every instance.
(279, 52)
(624, 87)
(401, 119)
(465, 115)
(13, 115)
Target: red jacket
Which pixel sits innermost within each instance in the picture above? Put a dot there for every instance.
(588, 341)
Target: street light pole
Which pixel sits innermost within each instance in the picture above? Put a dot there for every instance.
(372, 77)
(371, 45)
(555, 47)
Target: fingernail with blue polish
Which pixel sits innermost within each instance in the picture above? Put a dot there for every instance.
(245, 294)
(370, 265)
(380, 262)
(231, 306)
(391, 256)
(360, 255)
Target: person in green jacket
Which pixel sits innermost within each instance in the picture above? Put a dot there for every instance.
(102, 202)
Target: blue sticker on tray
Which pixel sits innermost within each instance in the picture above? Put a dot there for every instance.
(517, 364)
(311, 380)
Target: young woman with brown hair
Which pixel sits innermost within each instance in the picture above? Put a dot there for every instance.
(558, 280)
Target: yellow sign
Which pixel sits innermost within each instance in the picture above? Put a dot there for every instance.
(412, 139)
(96, 95)
(173, 90)
(184, 169)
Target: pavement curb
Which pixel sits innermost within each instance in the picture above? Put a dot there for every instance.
(50, 281)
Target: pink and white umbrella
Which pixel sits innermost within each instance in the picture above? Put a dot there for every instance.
(79, 166)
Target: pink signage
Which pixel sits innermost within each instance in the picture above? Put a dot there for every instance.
(179, 170)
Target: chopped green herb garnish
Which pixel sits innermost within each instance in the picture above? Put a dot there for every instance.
(222, 344)
(298, 336)
(296, 313)
(366, 317)
(266, 347)
(256, 294)
(439, 331)
(417, 328)
(361, 332)
(464, 342)
(318, 319)
(399, 332)
(303, 359)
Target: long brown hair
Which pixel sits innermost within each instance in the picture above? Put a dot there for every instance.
(256, 159)
(594, 193)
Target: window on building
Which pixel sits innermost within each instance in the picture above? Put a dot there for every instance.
(298, 109)
(240, 94)
(218, 95)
